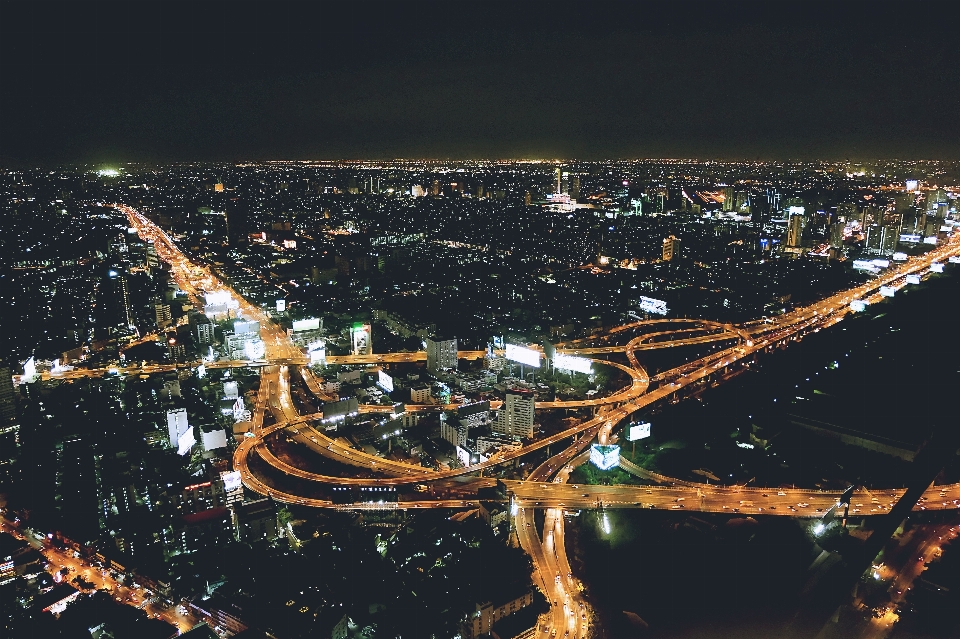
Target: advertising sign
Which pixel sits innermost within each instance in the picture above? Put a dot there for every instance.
(605, 457)
(865, 265)
(311, 324)
(281, 306)
(954, 259)
(858, 306)
(384, 381)
(523, 355)
(936, 267)
(638, 431)
(362, 344)
(880, 263)
(571, 363)
(651, 305)
(887, 291)
(913, 279)
(909, 237)
(899, 257)
(930, 240)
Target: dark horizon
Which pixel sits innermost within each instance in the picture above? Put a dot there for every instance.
(108, 83)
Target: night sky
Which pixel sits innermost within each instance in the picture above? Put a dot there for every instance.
(222, 80)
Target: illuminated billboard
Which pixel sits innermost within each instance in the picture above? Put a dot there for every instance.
(913, 279)
(185, 442)
(899, 257)
(318, 356)
(231, 390)
(361, 340)
(571, 363)
(930, 240)
(254, 349)
(311, 324)
(887, 291)
(605, 457)
(651, 305)
(880, 263)
(912, 185)
(523, 355)
(936, 267)
(858, 305)
(865, 265)
(954, 259)
(911, 238)
(384, 381)
(638, 431)
(281, 306)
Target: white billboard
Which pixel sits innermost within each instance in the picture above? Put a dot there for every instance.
(865, 265)
(242, 328)
(954, 259)
(899, 257)
(255, 349)
(571, 363)
(880, 263)
(605, 457)
(887, 291)
(384, 381)
(361, 339)
(858, 305)
(909, 237)
(930, 240)
(936, 267)
(231, 390)
(185, 442)
(523, 355)
(651, 305)
(913, 279)
(638, 431)
(29, 370)
(318, 356)
(311, 324)
(281, 306)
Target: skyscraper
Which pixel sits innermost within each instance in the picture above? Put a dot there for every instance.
(516, 415)
(795, 225)
(671, 248)
(728, 199)
(441, 353)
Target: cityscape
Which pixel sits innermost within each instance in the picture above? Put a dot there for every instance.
(265, 392)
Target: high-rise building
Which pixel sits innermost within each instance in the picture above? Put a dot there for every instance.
(795, 225)
(836, 235)
(728, 199)
(516, 415)
(890, 237)
(8, 410)
(164, 317)
(575, 187)
(558, 176)
(441, 354)
(741, 202)
(671, 248)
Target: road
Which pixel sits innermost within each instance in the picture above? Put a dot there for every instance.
(126, 593)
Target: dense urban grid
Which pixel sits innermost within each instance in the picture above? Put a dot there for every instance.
(426, 398)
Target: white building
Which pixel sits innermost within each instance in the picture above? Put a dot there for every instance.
(516, 415)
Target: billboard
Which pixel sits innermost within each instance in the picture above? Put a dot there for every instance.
(523, 355)
(911, 238)
(281, 306)
(384, 381)
(231, 390)
(858, 305)
(936, 267)
(913, 279)
(311, 324)
(214, 440)
(954, 259)
(571, 363)
(361, 339)
(912, 185)
(887, 291)
(880, 263)
(185, 442)
(930, 240)
(605, 457)
(231, 480)
(242, 328)
(865, 265)
(899, 257)
(651, 305)
(638, 431)
(318, 356)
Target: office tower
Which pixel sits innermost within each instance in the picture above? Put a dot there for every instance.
(671, 248)
(741, 202)
(836, 235)
(847, 212)
(164, 317)
(904, 202)
(575, 187)
(796, 222)
(890, 237)
(435, 188)
(728, 199)
(874, 234)
(557, 178)
(236, 217)
(516, 415)
(934, 199)
(8, 409)
(441, 354)
(112, 312)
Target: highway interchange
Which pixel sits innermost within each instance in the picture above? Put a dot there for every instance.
(546, 488)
